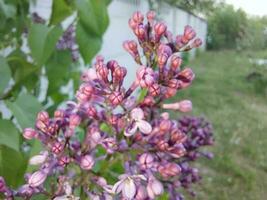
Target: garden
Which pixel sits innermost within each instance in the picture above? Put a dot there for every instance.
(189, 123)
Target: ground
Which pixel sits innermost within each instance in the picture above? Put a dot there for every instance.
(238, 113)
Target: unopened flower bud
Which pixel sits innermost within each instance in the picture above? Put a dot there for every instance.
(29, 133)
(165, 125)
(57, 147)
(174, 83)
(183, 106)
(162, 59)
(177, 151)
(133, 24)
(59, 114)
(146, 161)
(160, 28)
(64, 160)
(170, 92)
(154, 90)
(176, 62)
(87, 162)
(119, 73)
(169, 170)
(38, 159)
(43, 116)
(74, 120)
(140, 32)
(115, 98)
(138, 17)
(189, 32)
(150, 16)
(197, 43)
(91, 111)
(37, 178)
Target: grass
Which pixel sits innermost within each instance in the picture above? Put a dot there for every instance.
(222, 94)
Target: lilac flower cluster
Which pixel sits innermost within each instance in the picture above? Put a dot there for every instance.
(153, 149)
(68, 42)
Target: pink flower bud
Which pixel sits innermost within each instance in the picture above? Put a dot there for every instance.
(59, 114)
(154, 188)
(169, 170)
(87, 162)
(140, 32)
(177, 151)
(160, 28)
(174, 83)
(154, 90)
(29, 133)
(133, 24)
(57, 147)
(177, 137)
(138, 17)
(91, 111)
(37, 178)
(119, 73)
(170, 92)
(64, 160)
(164, 49)
(186, 76)
(102, 72)
(115, 98)
(183, 106)
(162, 145)
(197, 43)
(148, 101)
(162, 59)
(150, 16)
(43, 116)
(176, 62)
(112, 64)
(74, 120)
(165, 125)
(189, 32)
(146, 161)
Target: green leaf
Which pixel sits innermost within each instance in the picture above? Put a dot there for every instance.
(93, 15)
(12, 166)
(25, 109)
(5, 74)
(60, 10)
(9, 135)
(24, 73)
(89, 44)
(57, 71)
(42, 41)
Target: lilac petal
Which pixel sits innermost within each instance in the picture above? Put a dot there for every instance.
(129, 189)
(144, 126)
(137, 114)
(117, 188)
(130, 130)
(139, 176)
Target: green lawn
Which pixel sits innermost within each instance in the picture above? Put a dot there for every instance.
(222, 94)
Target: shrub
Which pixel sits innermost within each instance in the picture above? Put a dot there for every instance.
(111, 143)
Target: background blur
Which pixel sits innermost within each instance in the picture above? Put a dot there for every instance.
(45, 44)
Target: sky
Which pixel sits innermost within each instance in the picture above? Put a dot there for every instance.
(252, 7)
